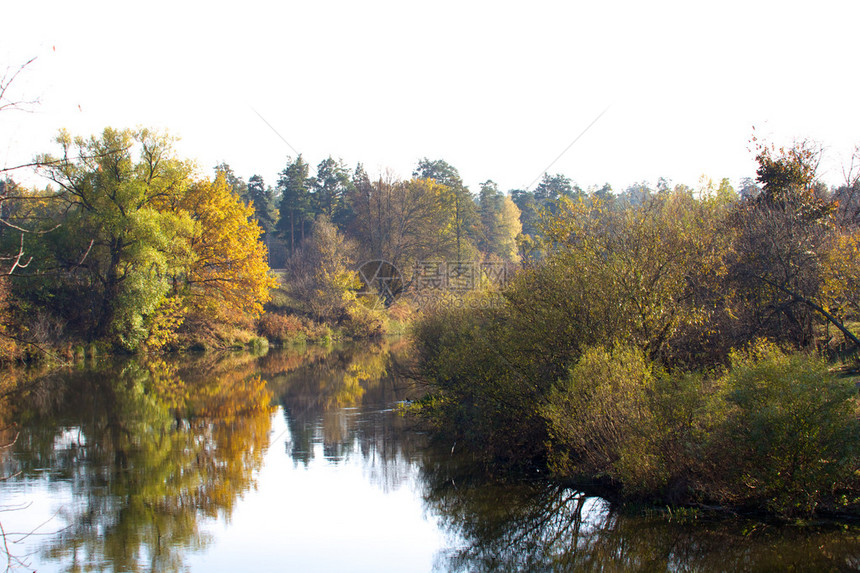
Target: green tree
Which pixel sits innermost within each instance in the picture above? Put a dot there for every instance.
(637, 195)
(295, 210)
(603, 194)
(645, 278)
(542, 201)
(331, 185)
(489, 204)
(552, 188)
(438, 170)
(263, 199)
(118, 234)
(459, 203)
(645, 275)
(142, 244)
(792, 432)
(529, 211)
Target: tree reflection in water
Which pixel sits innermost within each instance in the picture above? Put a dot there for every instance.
(544, 526)
(147, 450)
(337, 401)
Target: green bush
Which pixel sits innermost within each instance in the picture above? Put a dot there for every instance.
(480, 389)
(599, 419)
(792, 433)
(776, 432)
(616, 416)
(773, 432)
(258, 345)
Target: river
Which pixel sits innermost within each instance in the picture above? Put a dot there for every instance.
(299, 461)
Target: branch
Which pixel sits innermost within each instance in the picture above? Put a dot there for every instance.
(850, 175)
(18, 258)
(10, 444)
(5, 83)
(818, 308)
(81, 262)
(45, 351)
(38, 164)
(23, 230)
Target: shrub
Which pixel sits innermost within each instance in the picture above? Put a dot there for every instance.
(485, 398)
(792, 432)
(289, 328)
(258, 346)
(280, 327)
(363, 322)
(600, 420)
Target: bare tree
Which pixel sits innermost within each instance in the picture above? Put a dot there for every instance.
(8, 190)
(6, 81)
(848, 194)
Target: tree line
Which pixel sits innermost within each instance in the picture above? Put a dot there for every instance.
(433, 214)
(131, 246)
(321, 227)
(125, 246)
(679, 345)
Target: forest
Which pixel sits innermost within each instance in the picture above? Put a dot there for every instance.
(684, 347)
(678, 344)
(130, 248)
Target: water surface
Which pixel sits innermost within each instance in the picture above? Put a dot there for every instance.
(299, 461)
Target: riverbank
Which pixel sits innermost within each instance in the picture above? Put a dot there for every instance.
(279, 326)
(665, 349)
(771, 432)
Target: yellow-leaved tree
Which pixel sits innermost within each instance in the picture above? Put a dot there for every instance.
(227, 272)
(143, 245)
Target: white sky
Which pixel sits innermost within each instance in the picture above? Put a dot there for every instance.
(497, 89)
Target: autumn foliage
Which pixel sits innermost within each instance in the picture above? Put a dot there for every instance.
(142, 248)
(665, 346)
(228, 266)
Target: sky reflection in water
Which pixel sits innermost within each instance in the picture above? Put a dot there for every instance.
(190, 467)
